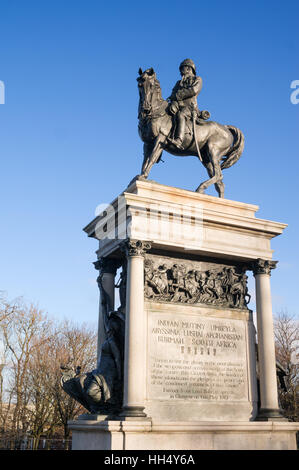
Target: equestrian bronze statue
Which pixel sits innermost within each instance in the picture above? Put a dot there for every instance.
(177, 126)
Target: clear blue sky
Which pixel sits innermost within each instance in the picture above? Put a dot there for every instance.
(68, 128)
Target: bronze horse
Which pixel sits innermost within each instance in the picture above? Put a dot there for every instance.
(217, 146)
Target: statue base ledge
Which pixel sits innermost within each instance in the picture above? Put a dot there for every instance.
(177, 220)
(206, 435)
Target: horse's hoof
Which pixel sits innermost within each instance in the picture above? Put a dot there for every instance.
(200, 190)
(137, 178)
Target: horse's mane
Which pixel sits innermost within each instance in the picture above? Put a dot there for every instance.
(158, 88)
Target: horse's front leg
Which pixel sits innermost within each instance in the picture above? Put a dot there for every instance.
(148, 148)
(152, 153)
(147, 151)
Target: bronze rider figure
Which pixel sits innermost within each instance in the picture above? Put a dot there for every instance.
(183, 100)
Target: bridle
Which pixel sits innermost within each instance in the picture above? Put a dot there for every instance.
(147, 110)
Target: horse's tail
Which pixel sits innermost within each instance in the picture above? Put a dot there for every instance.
(236, 150)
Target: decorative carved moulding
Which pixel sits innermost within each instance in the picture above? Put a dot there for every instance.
(262, 266)
(135, 247)
(107, 265)
(193, 282)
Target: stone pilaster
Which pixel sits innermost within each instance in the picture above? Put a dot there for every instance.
(266, 348)
(135, 335)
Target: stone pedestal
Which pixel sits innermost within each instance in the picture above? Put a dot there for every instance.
(180, 435)
(190, 378)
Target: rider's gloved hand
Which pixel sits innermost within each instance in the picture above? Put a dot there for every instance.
(174, 107)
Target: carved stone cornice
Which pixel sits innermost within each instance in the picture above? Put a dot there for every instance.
(262, 266)
(135, 247)
(107, 265)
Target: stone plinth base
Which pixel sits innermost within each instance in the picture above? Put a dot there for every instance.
(145, 435)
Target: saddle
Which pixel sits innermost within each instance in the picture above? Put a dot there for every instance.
(201, 117)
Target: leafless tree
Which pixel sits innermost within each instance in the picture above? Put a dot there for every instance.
(35, 349)
(286, 330)
(7, 307)
(22, 331)
(75, 347)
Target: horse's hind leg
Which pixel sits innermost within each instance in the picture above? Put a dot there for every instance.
(214, 171)
(220, 188)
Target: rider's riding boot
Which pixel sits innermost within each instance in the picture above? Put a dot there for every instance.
(180, 131)
(177, 142)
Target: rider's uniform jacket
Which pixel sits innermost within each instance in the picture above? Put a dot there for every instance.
(185, 91)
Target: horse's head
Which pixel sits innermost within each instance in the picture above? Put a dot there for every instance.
(149, 89)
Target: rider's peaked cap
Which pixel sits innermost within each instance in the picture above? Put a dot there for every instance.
(190, 63)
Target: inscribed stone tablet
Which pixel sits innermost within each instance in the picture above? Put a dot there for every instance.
(196, 358)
